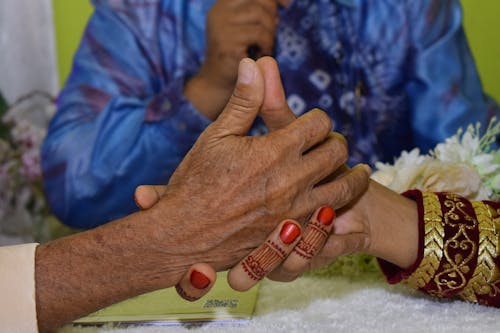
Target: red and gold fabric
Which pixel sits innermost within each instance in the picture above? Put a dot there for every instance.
(459, 249)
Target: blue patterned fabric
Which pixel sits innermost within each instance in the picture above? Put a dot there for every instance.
(392, 74)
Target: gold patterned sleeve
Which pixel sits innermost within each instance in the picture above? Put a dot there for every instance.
(459, 249)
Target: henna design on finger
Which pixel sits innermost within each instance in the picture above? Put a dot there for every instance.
(264, 260)
(317, 233)
(309, 246)
(184, 295)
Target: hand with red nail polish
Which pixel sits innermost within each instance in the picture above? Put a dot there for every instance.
(197, 282)
(263, 260)
(292, 254)
(289, 232)
(363, 226)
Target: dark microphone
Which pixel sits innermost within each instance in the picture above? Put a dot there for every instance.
(253, 51)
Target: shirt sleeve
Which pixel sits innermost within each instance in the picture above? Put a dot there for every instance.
(459, 249)
(444, 87)
(122, 118)
(17, 287)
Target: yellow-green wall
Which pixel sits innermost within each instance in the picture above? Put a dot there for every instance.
(70, 17)
(482, 25)
(481, 22)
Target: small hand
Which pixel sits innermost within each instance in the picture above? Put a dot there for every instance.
(381, 223)
(281, 254)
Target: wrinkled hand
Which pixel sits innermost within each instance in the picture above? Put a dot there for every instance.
(239, 186)
(232, 27)
(285, 254)
(277, 115)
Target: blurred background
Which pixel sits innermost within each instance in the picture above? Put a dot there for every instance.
(39, 38)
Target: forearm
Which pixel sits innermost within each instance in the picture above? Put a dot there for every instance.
(80, 274)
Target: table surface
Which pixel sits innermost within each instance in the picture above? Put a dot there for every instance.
(339, 304)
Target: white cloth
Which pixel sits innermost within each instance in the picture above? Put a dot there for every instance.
(17, 289)
(27, 48)
(341, 305)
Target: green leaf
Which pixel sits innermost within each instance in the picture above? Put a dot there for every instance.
(4, 130)
(3, 105)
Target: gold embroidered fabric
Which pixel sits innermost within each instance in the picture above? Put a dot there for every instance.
(433, 242)
(461, 249)
(486, 270)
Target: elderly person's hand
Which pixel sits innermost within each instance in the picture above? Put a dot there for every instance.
(281, 172)
(232, 27)
(277, 115)
(226, 196)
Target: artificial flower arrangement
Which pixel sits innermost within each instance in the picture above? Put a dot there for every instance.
(23, 210)
(467, 164)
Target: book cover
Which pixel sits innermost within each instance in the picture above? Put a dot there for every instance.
(164, 307)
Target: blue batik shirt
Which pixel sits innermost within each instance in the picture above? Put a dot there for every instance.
(392, 75)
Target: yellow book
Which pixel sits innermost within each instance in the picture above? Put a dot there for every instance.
(164, 307)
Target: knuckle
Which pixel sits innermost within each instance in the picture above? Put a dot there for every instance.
(359, 244)
(243, 99)
(367, 244)
(290, 139)
(332, 153)
(340, 247)
(345, 190)
(279, 194)
(341, 146)
(321, 119)
(315, 200)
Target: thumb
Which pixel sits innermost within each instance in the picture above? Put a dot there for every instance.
(146, 196)
(245, 102)
(275, 110)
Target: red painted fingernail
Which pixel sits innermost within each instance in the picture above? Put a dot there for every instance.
(326, 215)
(199, 280)
(289, 233)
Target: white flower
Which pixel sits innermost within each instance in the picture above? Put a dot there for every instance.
(465, 164)
(458, 178)
(404, 173)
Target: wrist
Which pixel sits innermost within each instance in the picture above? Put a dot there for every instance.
(394, 226)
